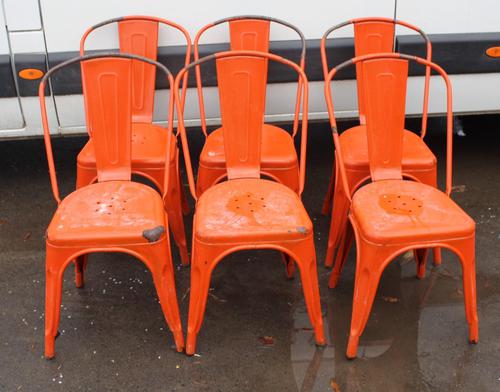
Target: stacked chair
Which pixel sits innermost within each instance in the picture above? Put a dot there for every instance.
(278, 156)
(372, 35)
(250, 176)
(391, 215)
(113, 214)
(139, 35)
(246, 211)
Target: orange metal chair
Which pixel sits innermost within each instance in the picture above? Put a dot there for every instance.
(246, 211)
(114, 214)
(139, 35)
(278, 156)
(390, 216)
(373, 35)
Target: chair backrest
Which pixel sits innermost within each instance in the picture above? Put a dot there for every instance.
(241, 91)
(377, 35)
(249, 32)
(107, 88)
(138, 35)
(107, 91)
(384, 92)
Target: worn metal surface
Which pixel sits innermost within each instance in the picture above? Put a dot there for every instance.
(256, 335)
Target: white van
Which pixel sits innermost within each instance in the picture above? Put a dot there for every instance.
(42, 33)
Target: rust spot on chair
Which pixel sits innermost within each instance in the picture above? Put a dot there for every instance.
(153, 235)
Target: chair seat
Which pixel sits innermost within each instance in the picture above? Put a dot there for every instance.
(278, 150)
(254, 210)
(354, 144)
(394, 211)
(148, 147)
(107, 213)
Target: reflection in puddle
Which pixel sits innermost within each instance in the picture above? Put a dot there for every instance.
(374, 348)
(415, 340)
(313, 367)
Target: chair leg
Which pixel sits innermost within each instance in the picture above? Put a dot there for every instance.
(436, 261)
(160, 263)
(421, 259)
(176, 222)
(305, 257)
(184, 201)
(173, 206)
(466, 252)
(175, 213)
(85, 176)
(327, 203)
(437, 256)
(175, 173)
(338, 223)
(203, 257)
(343, 252)
(429, 177)
(289, 265)
(369, 266)
(80, 267)
(55, 263)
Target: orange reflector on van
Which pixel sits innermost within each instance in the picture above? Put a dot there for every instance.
(30, 73)
(494, 51)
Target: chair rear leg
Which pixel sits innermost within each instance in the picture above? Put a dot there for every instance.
(466, 251)
(80, 267)
(369, 267)
(429, 177)
(337, 223)
(203, 257)
(437, 256)
(421, 259)
(176, 221)
(161, 267)
(305, 257)
(173, 206)
(289, 265)
(184, 202)
(175, 176)
(327, 203)
(84, 177)
(343, 252)
(175, 215)
(55, 262)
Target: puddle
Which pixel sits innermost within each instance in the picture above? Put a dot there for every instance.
(416, 341)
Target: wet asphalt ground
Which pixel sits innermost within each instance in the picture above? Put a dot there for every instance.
(256, 335)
